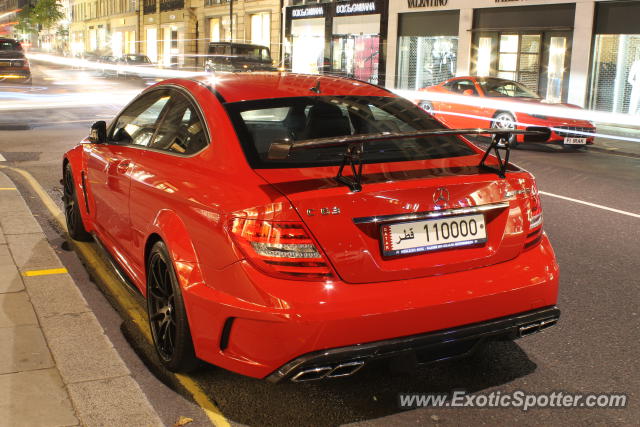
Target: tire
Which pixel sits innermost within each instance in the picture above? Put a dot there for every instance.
(72, 215)
(426, 106)
(505, 120)
(167, 314)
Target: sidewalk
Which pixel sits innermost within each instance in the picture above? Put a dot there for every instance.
(57, 367)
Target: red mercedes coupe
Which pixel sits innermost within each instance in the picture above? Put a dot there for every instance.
(297, 227)
(569, 132)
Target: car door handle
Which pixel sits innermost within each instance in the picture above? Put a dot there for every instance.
(123, 166)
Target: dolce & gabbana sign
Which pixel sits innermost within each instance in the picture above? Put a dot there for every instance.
(307, 12)
(356, 8)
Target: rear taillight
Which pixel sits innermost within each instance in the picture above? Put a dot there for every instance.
(280, 249)
(535, 209)
(535, 219)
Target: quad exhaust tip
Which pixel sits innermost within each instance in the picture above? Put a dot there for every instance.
(318, 373)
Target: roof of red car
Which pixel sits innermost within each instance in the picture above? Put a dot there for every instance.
(235, 87)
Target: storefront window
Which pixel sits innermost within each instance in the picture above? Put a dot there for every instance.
(307, 40)
(615, 75)
(425, 61)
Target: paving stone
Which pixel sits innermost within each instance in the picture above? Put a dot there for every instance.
(5, 182)
(32, 252)
(16, 310)
(112, 402)
(12, 201)
(35, 398)
(10, 279)
(81, 349)
(19, 223)
(5, 256)
(23, 348)
(55, 294)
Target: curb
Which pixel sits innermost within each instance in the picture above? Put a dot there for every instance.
(614, 152)
(99, 387)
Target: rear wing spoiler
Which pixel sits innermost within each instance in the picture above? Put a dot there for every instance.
(280, 150)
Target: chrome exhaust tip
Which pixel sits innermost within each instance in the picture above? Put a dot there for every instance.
(346, 369)
(312, 374)
(534, 327)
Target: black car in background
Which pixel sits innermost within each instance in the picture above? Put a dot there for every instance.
(235, 57)
(14, 66)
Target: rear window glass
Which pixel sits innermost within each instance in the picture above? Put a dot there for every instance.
(260, 123)
(9, 45)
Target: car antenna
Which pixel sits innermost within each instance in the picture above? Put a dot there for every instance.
(316, 88)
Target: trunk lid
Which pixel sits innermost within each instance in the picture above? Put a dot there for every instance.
(355, 250)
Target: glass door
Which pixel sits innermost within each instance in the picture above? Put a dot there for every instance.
(519, 58)
(554, 77)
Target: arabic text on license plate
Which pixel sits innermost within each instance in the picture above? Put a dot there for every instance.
(575, 141)
(430, 235)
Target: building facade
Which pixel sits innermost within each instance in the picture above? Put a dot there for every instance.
(584, 52)
(173, 33)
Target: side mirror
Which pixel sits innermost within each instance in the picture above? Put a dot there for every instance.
(98, 134)
(468, 92)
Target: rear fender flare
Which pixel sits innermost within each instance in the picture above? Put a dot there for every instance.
(169, 227)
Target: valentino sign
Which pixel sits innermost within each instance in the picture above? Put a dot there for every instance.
(427, 3)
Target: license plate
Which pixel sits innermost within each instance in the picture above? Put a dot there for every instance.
(575, 141)
(433, 234)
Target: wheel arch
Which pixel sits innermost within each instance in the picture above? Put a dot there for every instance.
(75, 159)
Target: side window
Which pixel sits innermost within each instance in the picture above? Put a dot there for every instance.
(137, 124)
(462, 85)
(182, 129)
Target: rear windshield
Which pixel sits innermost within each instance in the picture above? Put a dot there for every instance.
(9, 45)
(260, 123)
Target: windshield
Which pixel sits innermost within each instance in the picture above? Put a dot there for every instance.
(9, 45)
(260, 123)
(498, 87)
(138, 59)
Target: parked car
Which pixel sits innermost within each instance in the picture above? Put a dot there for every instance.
(14, 65)
(569, 132)
(228, 205)
(237, 57)
(131, 63)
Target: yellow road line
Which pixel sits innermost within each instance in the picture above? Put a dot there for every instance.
(124, 299)
(6, 188)
(31, 273)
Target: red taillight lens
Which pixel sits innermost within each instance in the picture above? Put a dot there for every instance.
(535, 209)
(280, 249)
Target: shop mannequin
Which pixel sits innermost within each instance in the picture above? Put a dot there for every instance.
(634, 81)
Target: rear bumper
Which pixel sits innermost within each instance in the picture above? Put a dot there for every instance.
(12, 75)
(430, 347)
(270, 324)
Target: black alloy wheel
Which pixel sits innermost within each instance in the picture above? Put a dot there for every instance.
(167, 315)
(73, 217)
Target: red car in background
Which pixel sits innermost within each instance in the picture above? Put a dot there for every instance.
(569, 132)
(227, 203)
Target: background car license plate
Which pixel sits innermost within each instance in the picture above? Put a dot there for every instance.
(430, 235)
(575, 141)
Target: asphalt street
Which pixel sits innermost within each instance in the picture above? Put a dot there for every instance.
(593, 349)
